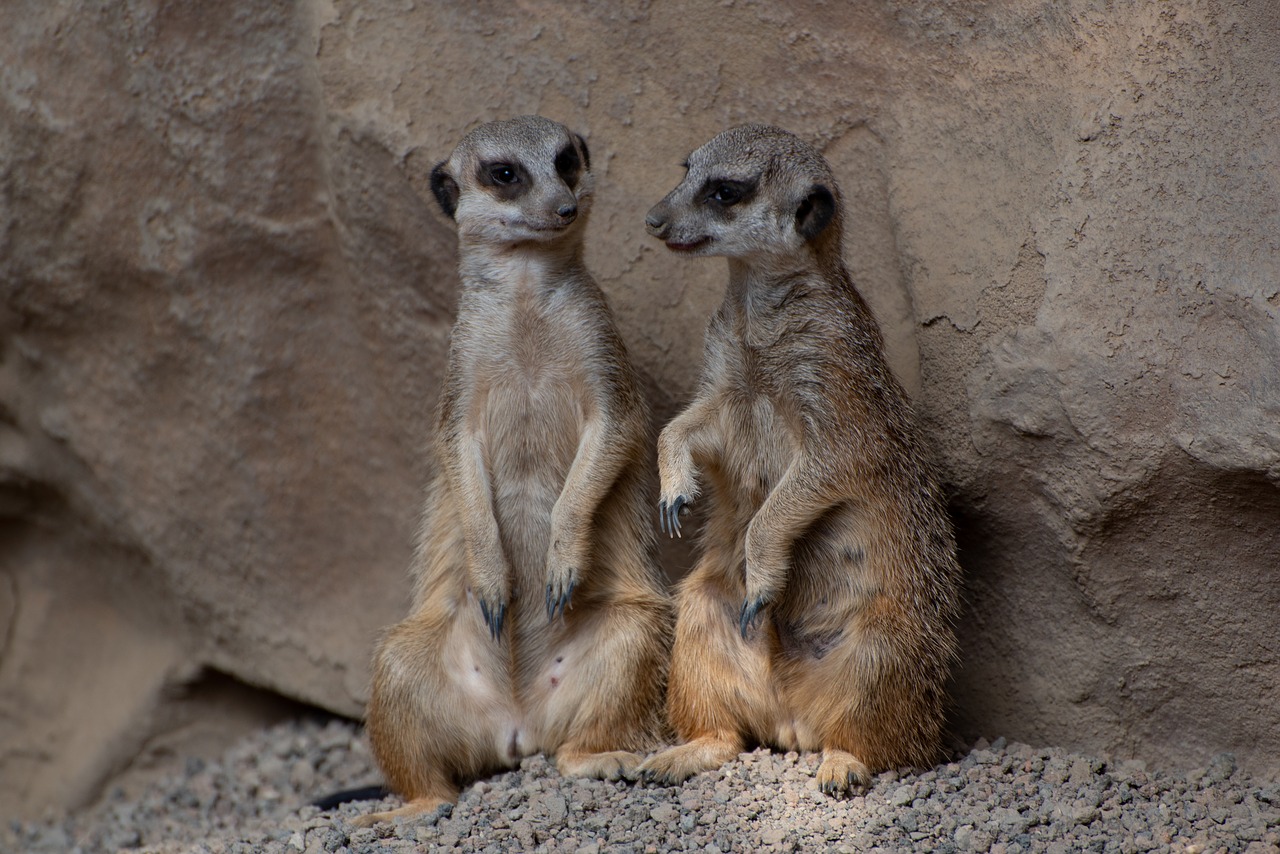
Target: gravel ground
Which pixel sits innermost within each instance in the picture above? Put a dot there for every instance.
(997, 797)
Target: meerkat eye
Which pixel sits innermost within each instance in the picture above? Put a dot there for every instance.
(503, 174)
(727, 194)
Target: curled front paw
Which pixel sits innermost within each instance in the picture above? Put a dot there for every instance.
(564, 562)
(670, 513)
(490, 588)
(495, 614)
(559, 597)
(749, 614)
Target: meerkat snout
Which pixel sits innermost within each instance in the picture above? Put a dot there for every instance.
(656, 221)
(678, 237)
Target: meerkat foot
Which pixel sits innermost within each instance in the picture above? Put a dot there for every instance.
(611, 765)
(840, 771)
(677, 764)
(413, 809)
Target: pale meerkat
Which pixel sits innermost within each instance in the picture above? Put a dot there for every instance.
(820, 614)
(540, 621)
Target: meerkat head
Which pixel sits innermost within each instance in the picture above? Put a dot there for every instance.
(519, 180)
(751, 192)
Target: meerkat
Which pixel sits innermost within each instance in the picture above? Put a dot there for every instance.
(539, 622)
(820, 614)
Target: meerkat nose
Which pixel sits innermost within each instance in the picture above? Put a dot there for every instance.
(567, 210)
(655, 221)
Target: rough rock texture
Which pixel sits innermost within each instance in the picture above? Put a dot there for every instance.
(225, 303)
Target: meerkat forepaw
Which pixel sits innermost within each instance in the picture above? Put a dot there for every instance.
(749, 616)
(559, 598)
(670, 514)
(494, 616)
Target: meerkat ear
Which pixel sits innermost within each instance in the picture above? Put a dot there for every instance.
(586, 155)
(445, 189)
(815, 212)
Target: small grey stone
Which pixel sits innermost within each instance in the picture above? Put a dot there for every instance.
(1221, 767)
(550, 807)
(773, 835)
(664, 813)
(902, 796)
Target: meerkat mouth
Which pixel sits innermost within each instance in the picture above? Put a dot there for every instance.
(676, 246)
(541, 229)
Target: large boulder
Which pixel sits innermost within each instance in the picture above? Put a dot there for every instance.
(226, 299)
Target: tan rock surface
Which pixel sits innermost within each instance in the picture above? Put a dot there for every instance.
(226, 301)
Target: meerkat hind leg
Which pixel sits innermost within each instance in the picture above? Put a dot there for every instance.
(609, 765)
(679, 763)
(412, 809)
(607, 699)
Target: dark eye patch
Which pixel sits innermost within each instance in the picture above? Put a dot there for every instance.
(724, 193)
(507, 180)
(569, 165)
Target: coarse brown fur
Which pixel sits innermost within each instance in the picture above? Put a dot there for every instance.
(820, 614)
(539, 621)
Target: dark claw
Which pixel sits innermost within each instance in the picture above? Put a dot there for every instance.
(493, 618)
(655, 779)
(559, 603)
(669, 517)
(747, 617)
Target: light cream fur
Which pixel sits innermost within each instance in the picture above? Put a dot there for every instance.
(539, 621)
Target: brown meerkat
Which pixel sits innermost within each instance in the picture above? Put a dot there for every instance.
(540, 621)
(820, 613)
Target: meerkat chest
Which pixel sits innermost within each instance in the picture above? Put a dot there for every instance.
(760, 435)
(529, 382)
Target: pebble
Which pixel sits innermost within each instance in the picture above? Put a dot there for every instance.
(997, 796)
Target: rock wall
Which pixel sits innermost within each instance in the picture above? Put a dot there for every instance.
(226, 300)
